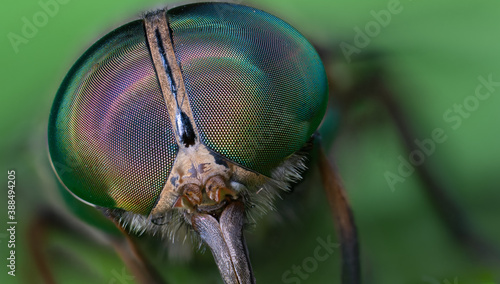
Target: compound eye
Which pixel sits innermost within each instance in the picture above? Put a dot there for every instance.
(256, 86)
(110, 138)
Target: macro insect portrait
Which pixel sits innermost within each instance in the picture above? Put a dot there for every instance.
(251, 142)
(191, 121)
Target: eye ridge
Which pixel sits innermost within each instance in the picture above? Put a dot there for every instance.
(164, 60)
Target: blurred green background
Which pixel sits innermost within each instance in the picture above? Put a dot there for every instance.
(434, 52)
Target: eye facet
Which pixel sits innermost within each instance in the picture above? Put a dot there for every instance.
(191, 115)
(256, 86)
(110, 139)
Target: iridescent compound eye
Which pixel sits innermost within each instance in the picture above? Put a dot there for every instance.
(255, 86)
(110, 138)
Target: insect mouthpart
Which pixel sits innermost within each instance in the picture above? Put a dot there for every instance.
(210, 199)
(225, 239)
(214, 210)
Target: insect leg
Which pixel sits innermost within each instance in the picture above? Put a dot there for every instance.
(344, 220)
(48, 219)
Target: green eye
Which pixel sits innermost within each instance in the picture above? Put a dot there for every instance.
(256, 87)
(110, 138)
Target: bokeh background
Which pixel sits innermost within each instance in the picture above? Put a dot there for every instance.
(431, 52)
